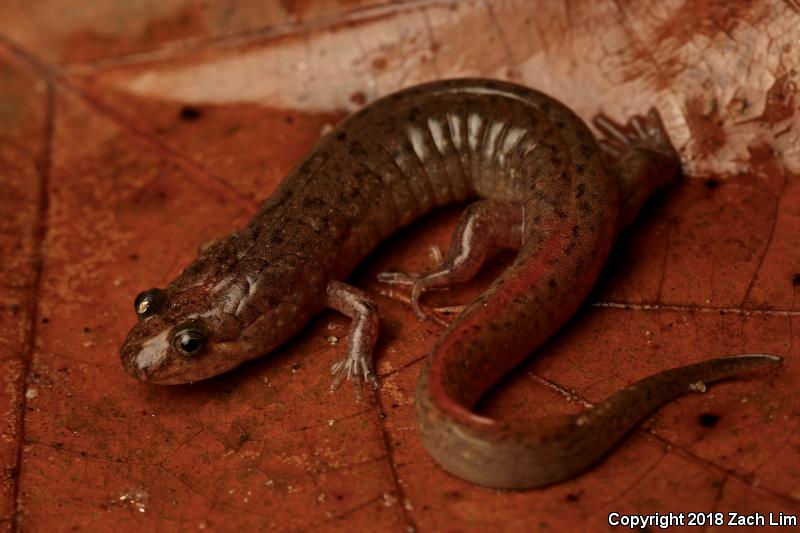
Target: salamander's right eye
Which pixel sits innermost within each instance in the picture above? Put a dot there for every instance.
(149, 302)
(189, 339)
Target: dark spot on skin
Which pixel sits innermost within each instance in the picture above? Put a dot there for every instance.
(356, 148)
(552, 283)
(86, 329)
(712, 183)
(190, 113)
(358, 98)
(795, 280)
(313, 201)
(570, 497)
(708, 420)
(13, 308)
(45, 320)
(289, 119)
(134, 257)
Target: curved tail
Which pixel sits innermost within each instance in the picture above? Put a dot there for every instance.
(521, 455)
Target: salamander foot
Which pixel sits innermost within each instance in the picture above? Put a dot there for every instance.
(355, 368)
(644, 132)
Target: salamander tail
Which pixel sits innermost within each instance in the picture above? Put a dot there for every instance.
(529, 454)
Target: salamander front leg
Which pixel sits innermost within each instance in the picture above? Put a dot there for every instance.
(484, 227)
(363, 334)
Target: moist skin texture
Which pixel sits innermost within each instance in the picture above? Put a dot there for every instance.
(546, 188)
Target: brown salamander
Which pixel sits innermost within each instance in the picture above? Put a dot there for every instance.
(547, 189)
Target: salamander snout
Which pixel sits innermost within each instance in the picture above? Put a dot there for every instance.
(145, 357)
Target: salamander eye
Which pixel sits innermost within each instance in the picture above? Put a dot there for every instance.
(148, 302)
(189, 339)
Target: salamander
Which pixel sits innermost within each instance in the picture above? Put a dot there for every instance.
(543, 186)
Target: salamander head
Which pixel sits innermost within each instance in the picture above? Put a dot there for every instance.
(177, 339)
(207, 322)
(241, 298)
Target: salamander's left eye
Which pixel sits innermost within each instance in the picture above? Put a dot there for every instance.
(189, 339)
(148, 302)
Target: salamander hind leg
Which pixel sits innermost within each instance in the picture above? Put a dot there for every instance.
(357, 364)
(641, 157)
(484, 227)
(640, 132)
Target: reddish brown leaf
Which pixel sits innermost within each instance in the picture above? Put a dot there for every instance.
(129, 136)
